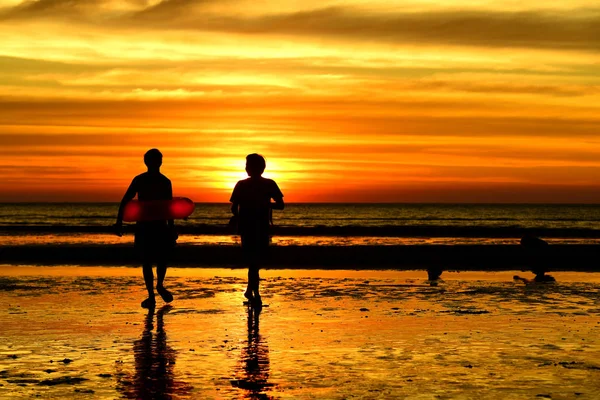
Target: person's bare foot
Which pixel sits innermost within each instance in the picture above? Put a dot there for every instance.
(149, 303)
(165, 294)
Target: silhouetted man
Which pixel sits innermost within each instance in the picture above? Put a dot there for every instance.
(154, 240)
(252, 207)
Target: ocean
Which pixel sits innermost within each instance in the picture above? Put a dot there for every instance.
(312, 234)
(565, 216)
(570, 221)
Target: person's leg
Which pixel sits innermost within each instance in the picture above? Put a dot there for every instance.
(149, 281)
(254, 281)
(260, 255)
(247, 254)
(161, 272)
(160, 246)
(250, 286)
(143, 250)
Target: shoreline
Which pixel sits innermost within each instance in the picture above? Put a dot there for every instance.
(582, 258)
(415, 277)
(342, 231)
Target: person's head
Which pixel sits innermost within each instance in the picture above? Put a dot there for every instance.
(153, 159)
(255, 164)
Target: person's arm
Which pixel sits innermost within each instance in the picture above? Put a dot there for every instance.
(235, 201)
(235, 209)
(129, 195)
(278, 197)
(279, 204)
(170, 197)
(171, 222)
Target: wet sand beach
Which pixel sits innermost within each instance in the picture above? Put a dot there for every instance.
(79, 332)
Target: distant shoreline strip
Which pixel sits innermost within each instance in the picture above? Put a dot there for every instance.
(583, 258)
(342, 231)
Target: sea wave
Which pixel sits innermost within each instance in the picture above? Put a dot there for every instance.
(513, 231)
(26, 219)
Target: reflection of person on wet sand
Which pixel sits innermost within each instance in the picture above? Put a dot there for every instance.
(252, 208)
(154, 362)
(154, 240)
(253, 371)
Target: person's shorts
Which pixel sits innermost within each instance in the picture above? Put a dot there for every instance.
(255, 244)
(154, 243)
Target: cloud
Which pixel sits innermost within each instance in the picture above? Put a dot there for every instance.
(73, 8)
(268, 78)
(577, 30)
(481, 28)
(38, 170)
(171, 9)
(457, 192)
(474, 28)
(47, 8)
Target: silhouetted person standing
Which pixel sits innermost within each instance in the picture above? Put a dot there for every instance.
(154, 240)
(252, 207)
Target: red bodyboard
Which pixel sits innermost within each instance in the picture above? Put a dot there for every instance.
(158, 210)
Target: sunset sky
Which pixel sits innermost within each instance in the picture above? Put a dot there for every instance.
(368, 101)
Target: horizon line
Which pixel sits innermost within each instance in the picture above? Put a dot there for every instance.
(326, 203)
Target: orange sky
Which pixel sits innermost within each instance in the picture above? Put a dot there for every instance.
(486, 101)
